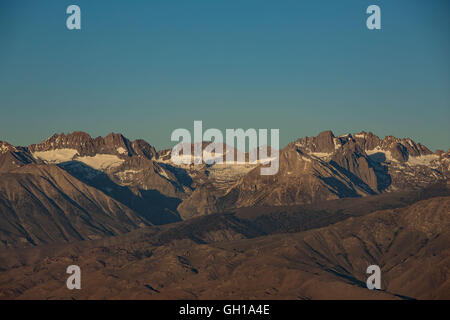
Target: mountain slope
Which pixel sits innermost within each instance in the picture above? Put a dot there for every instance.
(409, 244)
(12, 157)
(42, 204)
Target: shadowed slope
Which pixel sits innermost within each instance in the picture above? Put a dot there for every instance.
(42, 204)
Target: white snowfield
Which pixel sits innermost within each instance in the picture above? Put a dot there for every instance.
(99, 161)
(185, 159)
(423, 160)
(56, 156)
(207, 158)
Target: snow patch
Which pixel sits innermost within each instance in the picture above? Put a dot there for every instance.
(320, 154)
(422, 160)
(263, 160)
(122, 150)
(127, 174)
(185, 159)
(208, 157)
(56, 156)
(229, 172)
(337, 143)
(4, 148)
(164, 174)
(101, 161)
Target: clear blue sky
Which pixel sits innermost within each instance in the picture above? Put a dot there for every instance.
(145, 68)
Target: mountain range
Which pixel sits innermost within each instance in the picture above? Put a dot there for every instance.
(152, 190)
(121, 207)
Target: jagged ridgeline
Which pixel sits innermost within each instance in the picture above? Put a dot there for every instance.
(75, 187)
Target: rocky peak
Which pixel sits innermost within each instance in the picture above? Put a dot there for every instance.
(114, 143)
(12, 157)
(85, 145)
(367, 140)
(408, 145)
(324, 143)
(142, 148)
(6, 147)
(221, 150)
(78, 140)
(400, 149)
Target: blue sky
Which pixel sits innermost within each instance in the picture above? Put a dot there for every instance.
(145, 68)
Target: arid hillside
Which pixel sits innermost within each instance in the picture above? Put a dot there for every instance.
(226, 257)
